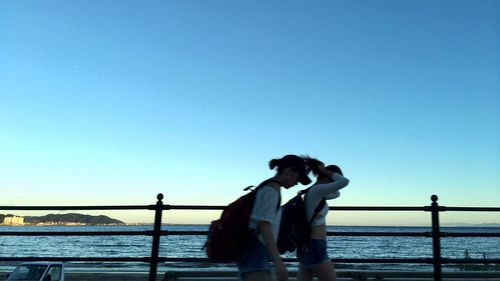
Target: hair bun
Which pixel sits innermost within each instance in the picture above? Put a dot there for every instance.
(274, 163)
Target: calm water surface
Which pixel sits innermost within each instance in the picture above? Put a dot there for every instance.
(191, 246)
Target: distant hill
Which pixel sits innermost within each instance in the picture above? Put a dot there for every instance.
(69, 219)
(462, 224)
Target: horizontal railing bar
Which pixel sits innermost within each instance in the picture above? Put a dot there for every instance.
(64, 208)
(329, 233)
(180, 232)
(77, 233)
(402, 234)
(473, 209)
(469, 261)
(388, 260)
(67, 259)
(377, 208)
(172, 259)
(359, 233)
(365, 260)
(470, 234)
(208, 207)
(191, 233)
(346, 260)
(377, 275)
(338, 208)
(193, 207)
(353, 208)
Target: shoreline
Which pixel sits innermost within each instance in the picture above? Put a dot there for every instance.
(485, 225)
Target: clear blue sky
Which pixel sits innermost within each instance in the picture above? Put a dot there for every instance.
(112, 102)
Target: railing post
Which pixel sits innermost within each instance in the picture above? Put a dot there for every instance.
(155, 247)
(436, 239)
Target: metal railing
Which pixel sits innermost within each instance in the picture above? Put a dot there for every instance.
(436, 234)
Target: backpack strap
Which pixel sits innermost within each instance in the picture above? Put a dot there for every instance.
(318, 208)
(262, 184)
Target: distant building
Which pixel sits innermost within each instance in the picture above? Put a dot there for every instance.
(13, 220)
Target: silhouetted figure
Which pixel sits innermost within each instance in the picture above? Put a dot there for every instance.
(312, 256)
(266, 214)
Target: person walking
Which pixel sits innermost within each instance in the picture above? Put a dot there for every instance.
(312, 256)
(265, 218)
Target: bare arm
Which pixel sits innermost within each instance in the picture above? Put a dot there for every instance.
(269, 241)
(326, 190)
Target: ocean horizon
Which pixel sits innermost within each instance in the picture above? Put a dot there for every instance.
(464, 225)
(189, 246)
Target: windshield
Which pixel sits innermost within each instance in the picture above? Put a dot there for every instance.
(28, 272)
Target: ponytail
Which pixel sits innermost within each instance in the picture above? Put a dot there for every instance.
(313, 165)
(295, 162)
(273, 163)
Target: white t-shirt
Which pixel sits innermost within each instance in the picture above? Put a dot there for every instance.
(319, 191)
(266, 208)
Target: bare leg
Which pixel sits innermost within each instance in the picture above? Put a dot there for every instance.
(304, 274)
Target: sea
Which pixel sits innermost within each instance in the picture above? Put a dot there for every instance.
(192, 246)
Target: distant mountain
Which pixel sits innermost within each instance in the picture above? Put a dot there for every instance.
(461, 224)
(71, 218)
(488, 225)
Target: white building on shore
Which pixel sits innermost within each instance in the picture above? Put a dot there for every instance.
(14, 220)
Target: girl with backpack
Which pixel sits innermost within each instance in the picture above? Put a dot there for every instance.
(312, 256)
(264, 220)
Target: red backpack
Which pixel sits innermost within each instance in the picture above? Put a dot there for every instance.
(229, 235)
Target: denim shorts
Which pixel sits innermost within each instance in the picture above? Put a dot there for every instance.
(255, 258)
(312, 253)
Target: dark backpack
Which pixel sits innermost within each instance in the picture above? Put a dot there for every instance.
(229, 235)
(295, 229)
